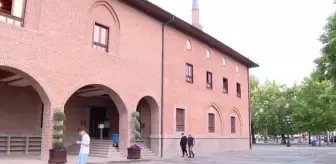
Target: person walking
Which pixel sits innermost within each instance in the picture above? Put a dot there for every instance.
(183, 144)
(191, 143)
(84, 146)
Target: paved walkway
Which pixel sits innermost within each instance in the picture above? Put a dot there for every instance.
(259, 155)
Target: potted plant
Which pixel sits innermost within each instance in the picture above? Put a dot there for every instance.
(58, 153)
(134, 151)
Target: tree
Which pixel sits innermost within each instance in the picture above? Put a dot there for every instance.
(270, 108)
(326, 64)
(254, 85)
(313, 108)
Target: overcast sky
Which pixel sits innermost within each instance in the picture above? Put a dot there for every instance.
(280, 35)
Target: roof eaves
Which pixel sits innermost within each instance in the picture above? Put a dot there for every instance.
(162, 15)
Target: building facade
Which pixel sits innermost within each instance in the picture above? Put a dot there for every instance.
(105, 59)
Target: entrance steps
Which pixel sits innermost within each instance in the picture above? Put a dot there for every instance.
(99, 148)
(146, 153)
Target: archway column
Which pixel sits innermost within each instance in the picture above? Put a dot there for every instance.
(47, 129)
(125, 131)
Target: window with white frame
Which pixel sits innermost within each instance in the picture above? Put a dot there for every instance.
(12, 11)
(100, 37)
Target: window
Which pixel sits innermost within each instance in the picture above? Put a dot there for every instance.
(100, 37)
(224, 62)
(225, 85)
(208, 54)
(238, 90)
(211, 123)
(188, 45)
(11, 11)
(189, 73)
(237, 68)
(233, 124)
(209, 80)
(180, 120)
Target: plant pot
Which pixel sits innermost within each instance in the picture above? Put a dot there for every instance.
(57, 156)
(133, 153)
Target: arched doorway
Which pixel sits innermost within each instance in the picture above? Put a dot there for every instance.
(92, 105)
(149, 122)
(24, 109)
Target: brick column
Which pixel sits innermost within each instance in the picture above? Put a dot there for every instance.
(47, 130)
(124, 132)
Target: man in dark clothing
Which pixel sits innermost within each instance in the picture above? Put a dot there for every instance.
(183, 144)
(191, 143)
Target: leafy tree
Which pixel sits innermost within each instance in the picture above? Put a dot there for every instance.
(326, 64)
(313, 108)
(254, 86)
(270, 108)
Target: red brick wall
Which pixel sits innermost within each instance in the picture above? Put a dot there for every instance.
(180, 93)
(54, 48)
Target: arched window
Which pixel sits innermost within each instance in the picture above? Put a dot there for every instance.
(208, 54)
(224, 62)
(188, 45)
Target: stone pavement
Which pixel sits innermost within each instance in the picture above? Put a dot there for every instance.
(277, 154)
(262, 155)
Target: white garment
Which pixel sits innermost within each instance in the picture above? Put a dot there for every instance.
(85, 149)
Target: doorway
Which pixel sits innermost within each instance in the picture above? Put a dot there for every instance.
(97, 116)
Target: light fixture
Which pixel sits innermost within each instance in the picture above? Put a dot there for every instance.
(0, 4)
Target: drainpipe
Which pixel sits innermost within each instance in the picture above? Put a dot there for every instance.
(249, 107)
(162, 77)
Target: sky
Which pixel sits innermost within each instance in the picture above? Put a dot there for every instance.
(280, 35)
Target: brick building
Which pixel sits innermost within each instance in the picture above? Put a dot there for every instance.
(97, 59)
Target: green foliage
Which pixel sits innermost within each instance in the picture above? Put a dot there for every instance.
(58, 127)
(326, 64)
(58, 144)
(270, 104)
(135, 126)
(58, 136)
(59, 116)
(314, 110)
(311, 105)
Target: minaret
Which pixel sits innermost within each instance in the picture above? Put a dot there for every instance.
(195, 15)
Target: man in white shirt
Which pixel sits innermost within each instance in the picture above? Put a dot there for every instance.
(84, 146)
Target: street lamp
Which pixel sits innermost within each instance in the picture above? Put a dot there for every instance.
(288, 122)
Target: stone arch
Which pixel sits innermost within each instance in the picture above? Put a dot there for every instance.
(154, 109)
(111, 92)
(150, 121)
(37, 83)
(217, 109)
(103, 98)
(237, 113)
(109, 7)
